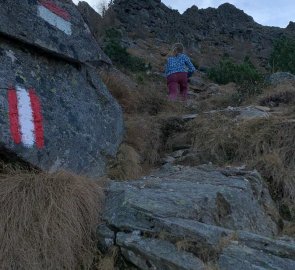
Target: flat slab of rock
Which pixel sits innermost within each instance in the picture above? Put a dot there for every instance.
(197, 213)
(250, 113)
(244, 113)
(149, 254)
(243, 258)
(207, 196)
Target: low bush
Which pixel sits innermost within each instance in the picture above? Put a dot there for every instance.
(119, 54)
(227, 71)
(283, 55)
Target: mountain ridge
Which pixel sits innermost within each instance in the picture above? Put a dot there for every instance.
(208, 34)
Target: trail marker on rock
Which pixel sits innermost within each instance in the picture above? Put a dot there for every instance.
(25, 117)
(55, 16)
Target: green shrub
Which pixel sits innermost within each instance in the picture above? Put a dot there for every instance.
(283, 55)
(227, 71)
(119, 55)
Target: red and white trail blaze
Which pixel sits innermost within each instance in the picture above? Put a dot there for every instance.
(55, 15)
(25, 116)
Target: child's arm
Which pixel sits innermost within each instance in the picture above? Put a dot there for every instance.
(191, 67)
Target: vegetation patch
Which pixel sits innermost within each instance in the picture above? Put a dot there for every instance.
(48, 221)
(283, 55)
(227, 71)
(119, 55)
(265, 144)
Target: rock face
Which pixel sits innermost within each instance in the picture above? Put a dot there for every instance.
(280, 77)
(91, 17)
(55, 111)
(53, 26)
(185, 217)
(209, 34)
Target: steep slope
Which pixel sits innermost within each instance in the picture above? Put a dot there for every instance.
(208, 34)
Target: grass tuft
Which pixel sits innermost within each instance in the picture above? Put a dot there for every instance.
(48, 221)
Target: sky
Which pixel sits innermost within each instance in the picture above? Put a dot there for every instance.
(266, 12)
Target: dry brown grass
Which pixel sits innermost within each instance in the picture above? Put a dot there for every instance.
(145, 107)
(265, 144)
(145, 135)
(141, 148)
(221, 100)
(149, 97)
(201, 250)
(289, 229)
(278, 95)
(48, 221)
(122, 88)
(224, 242)
(212, 266)
(127, 164)
(107, 261)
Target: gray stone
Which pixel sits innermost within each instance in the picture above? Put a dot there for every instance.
(207, 212)
(82, 122)
(276, 247)
(212, 88)
(32, 23)
(198, 194)
(280, 77)
(242, 113)
(197, 84)
(236, 257)
(189, 116)
(168, 159)
(106, 237)
(92, 18)
(250, 113)
(291, 26)
(156, 254)
(178, 153)
(263, 108)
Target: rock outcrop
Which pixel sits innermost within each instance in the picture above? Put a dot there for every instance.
(56, 113)
(92, 18)
(209, 34)
(184, 217)
(278, 78)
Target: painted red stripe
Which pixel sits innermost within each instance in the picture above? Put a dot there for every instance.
(13, 116)
(38, 119)
(55, 9)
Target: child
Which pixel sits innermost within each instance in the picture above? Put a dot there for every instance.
(178, 68)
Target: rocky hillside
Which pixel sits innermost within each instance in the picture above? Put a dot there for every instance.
(234, 212)
(209, 34)
(202, 184)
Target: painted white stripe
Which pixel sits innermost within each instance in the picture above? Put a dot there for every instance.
(54, 20)
(25, 117)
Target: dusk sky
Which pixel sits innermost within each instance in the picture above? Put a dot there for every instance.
(265, 12)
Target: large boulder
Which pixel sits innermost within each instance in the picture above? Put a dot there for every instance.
(52, 25)
(196, 214)
(55, 111)
(281, 77)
